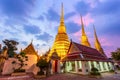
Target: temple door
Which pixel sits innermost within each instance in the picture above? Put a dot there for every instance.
(56, 65)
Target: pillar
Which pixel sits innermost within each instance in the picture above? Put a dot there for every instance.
(76, 67)
(85, 67)
(101, 66)
(106, 66)
(89, 62)
(58, 67)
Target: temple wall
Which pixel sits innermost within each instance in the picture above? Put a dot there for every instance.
(32, 59)
(86, 66)
(8, 67)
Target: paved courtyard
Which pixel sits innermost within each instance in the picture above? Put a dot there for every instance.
(105, 76)
(67, 76)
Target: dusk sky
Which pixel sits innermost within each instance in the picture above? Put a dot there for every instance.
(38, 20)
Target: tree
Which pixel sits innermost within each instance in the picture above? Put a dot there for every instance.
(11, 45)
(42, 64)
(21, 58)
(94, 71)
(116, 54)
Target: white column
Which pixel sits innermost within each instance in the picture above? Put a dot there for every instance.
(89, 66)
(76, 67)
(89, 62)
(101, 66)
(95, 64)
(106, 66)
(98, 66)
(84, 67)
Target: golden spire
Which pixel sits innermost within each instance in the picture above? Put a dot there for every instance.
(62, 28)
(97, 43)
(61, 43)
(83, 31)
(62, 15)
(84, 39)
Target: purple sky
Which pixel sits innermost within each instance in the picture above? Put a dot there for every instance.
(24, 20)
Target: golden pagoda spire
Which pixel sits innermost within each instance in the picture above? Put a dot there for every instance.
(61, 43)
(62, 15)
(97, 43)
(84, 39)
(62, 28)
(83, 31)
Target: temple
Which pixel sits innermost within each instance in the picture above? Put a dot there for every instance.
(77, 57)
(81, 59)
(64, 56)
(84, 39)
(61, 43)
(32, 55)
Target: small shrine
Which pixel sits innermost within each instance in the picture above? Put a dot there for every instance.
(55, 62)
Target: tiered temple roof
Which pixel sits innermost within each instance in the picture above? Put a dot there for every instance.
(30, 50)
(81, 52)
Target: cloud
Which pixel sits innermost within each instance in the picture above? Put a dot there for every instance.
(41, 18)
(107, 7)
(24, 43)
(31, 29)
(72, 27)
(107, 25)
(51, 15)
(16, 7)
(113, 29)
(45, 37)
(82, 7)
(68, 15)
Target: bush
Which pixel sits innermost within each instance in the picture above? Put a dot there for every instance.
(40, 73)
(111, 70)
(42, 64)
(94, 71)
(19, 70)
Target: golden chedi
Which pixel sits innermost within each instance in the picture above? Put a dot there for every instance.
(61, 43)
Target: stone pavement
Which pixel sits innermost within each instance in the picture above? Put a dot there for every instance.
(66, 76)
(105, 76)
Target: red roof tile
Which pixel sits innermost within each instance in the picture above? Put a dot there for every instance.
(85, 53)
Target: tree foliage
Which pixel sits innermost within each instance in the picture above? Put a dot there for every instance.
(116, 54)
(42, 64)
(21, 58)
(11, 45)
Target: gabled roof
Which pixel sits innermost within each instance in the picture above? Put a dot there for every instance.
(30, 50)
(84, 53)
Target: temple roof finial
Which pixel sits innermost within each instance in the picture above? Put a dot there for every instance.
(95, 35)
(84, 39)
(82, 24)
(31, 41)
(62, 15)
(97, 43)
(62, 28)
